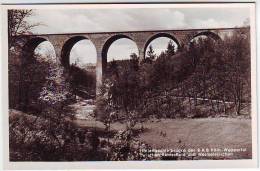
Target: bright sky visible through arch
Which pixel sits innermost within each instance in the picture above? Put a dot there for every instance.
(196, 39)
(83, 52)
(46, 51)
(105, 20)
(121, 49)
(160, 44)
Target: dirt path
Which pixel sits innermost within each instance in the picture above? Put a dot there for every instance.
(84, 109)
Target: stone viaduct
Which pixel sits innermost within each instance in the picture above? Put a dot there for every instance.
(63, 43)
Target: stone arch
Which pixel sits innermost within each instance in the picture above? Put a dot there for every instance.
(157, 35)
(31, 45)
(209, 34)
(108, 43)
(66, 49)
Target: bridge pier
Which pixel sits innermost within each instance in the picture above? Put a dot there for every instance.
(141, 50)
(99, 71)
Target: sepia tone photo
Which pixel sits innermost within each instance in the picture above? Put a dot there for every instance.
(130, 84)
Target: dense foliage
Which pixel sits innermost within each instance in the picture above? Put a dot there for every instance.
(210, 78)
(83, 82)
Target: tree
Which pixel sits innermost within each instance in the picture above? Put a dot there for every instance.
(33, 77)
(134, 56)
(122, 93)
(134, 61)
(17, 24)
(19, 66)
(237, 50)
(112, 69)
(150, 54)
(170, 51)
(83, 82)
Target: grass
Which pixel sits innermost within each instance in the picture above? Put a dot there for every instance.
(185, 133)
(193, 133)
(208, 132)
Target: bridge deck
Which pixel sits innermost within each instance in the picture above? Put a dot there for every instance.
(138, 31)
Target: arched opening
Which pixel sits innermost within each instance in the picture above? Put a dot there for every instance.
(199, 38)
(206, 34)
(83, 54)
(66, 49)
(112, 48)
(38, 57)
(122, 49)
(118, 50)
(204, 40)
(30, 47)
(161, 43)
(79, 58)
(45, 51)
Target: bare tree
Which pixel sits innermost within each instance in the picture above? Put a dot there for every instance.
(17, 24)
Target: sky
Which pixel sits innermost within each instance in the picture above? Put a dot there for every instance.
(102, 20)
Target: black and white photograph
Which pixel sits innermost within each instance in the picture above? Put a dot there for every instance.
(136, 82)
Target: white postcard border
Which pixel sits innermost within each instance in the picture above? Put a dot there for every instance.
(127, 164)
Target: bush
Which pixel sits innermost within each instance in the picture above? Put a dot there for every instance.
(125, 147)
(198, 113)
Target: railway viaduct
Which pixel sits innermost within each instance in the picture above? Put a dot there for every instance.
(63, 43)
